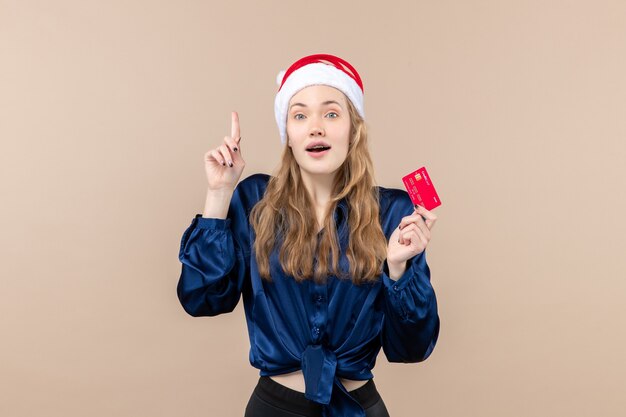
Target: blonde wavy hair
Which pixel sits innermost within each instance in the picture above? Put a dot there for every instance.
(286, 210)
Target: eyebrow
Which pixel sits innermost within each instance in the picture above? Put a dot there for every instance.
(323, 104)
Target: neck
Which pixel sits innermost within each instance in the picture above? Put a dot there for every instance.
(319, 187)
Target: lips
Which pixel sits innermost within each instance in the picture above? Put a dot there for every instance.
(317, 146)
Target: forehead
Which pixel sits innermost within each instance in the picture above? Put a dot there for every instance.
(314, 94)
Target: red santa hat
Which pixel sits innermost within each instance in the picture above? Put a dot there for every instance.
(318, 69)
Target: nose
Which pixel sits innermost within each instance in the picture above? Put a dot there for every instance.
(316, 126)
(317, 131)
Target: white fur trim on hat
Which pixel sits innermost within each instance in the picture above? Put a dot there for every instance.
(313, 74)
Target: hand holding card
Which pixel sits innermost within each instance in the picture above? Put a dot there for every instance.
(412, 231)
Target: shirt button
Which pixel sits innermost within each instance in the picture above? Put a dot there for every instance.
(319, 299)
(395, 287)
(316, 330)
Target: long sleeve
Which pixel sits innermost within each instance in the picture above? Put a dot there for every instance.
(215, 261)
(411, 324)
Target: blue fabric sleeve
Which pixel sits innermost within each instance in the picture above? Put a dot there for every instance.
(215, 261)
(411, 324)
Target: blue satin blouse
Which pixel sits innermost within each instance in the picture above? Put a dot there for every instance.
(329, 331)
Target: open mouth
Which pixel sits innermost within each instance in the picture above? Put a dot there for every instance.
(317, 149)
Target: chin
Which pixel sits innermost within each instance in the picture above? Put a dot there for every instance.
(326, 170)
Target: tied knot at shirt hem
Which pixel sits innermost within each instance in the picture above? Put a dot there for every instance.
(322, 385)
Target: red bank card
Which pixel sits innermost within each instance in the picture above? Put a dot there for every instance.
(421, 189)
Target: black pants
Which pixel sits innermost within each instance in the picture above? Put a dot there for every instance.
(271, 399)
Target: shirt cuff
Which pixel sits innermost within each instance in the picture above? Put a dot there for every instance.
(211, 223)
(400, 283)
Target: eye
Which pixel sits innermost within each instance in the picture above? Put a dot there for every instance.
(336, 115)
(296, 116)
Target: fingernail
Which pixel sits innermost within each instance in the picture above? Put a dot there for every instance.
(230, 164)
(235, 149)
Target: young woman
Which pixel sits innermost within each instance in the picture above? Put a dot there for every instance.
(331, 266)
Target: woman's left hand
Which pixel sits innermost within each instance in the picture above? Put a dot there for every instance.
(411, 237)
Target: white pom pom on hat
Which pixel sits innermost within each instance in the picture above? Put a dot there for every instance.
(318, 69)
(279, 77)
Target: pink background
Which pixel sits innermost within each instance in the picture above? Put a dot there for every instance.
(516, 108)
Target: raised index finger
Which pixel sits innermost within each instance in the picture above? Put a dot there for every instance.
(234, 127)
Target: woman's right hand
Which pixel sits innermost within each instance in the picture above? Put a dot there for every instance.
(224, 164)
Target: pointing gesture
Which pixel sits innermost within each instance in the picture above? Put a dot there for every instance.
(224, 164)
